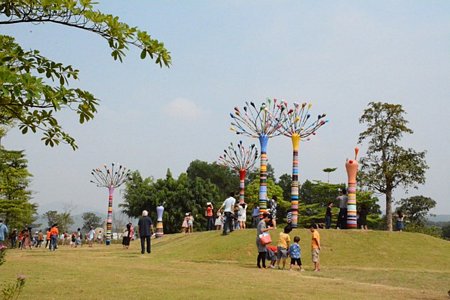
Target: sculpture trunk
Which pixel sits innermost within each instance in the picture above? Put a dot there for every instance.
(263, 141)
(294, 183)
(109, 217)
(352, 169)
(242, 173)
(159, 221)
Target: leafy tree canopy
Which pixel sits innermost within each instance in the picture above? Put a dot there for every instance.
(64, 220)
(90, 219)
(178, 196)
(386, 164)
(416, 208)
(33, 88)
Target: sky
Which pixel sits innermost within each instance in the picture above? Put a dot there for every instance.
(337, 55)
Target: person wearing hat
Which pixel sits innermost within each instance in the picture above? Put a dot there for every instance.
(209, 214)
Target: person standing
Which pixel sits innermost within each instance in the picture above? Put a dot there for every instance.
(262, 249)
(400, 221)
(328, 215)
(54, 232)
(255, 216)
(242, 216)
(91, 236)
(228, 206)
(145, 225)
(273, 210)
(40, 239)
(315, 247)
(209, 214)
(126, 236)
(13, 238)
(284, 242)
(342, 217)
(3, 234)
(362, 220)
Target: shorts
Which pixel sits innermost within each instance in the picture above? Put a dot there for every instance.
(282, 253)
(296, 260)
(315, 255)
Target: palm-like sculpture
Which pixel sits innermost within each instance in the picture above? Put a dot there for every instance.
(111, 179)
(239, 160)
(261, 122)
(295, 126)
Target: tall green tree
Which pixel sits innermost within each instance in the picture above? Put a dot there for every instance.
(15, 195)
(416, 208)
(34, 88)
(285, 182)
(387, 165)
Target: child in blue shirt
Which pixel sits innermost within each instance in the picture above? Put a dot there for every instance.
(295, 253)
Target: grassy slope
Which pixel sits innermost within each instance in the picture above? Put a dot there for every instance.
(356, 264)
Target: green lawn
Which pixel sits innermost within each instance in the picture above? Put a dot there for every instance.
(206, 265)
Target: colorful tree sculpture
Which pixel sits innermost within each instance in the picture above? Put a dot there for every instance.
(240, 160)
(110, 179)
(263, 123)
(351, 165)
(296, 128)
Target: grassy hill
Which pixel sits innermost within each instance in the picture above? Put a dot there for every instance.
(206, 265)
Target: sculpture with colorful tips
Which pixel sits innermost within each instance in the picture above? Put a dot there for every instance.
(110, 179)
(240, 160)
(351, 165)
(261, 122)
(295, 126)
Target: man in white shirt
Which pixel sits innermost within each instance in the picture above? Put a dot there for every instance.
(228, 208)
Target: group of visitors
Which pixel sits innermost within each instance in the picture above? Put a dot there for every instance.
(284, 249)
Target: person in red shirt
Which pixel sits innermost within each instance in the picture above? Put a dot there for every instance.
(209, 214)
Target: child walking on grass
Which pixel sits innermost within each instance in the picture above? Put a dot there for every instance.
(296, 253)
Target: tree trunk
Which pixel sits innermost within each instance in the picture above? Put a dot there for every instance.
(389, 210)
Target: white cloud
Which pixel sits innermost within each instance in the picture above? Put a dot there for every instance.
(181, 108)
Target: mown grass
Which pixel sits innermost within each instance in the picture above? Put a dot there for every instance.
(206, 265)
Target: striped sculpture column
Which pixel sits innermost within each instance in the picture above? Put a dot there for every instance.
(159, 221)
(239, 160)
(242, 174)
(351, 166)
(294, 184)
(295, 126)
(263, 123)
(110, 179)
(263, 141)
(109, 216)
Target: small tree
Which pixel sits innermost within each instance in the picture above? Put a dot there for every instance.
(90, 219)
(328, 171)
(386, 164)
(416, 208)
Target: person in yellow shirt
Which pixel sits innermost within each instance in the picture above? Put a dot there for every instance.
(283, 245)
(315, 247)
